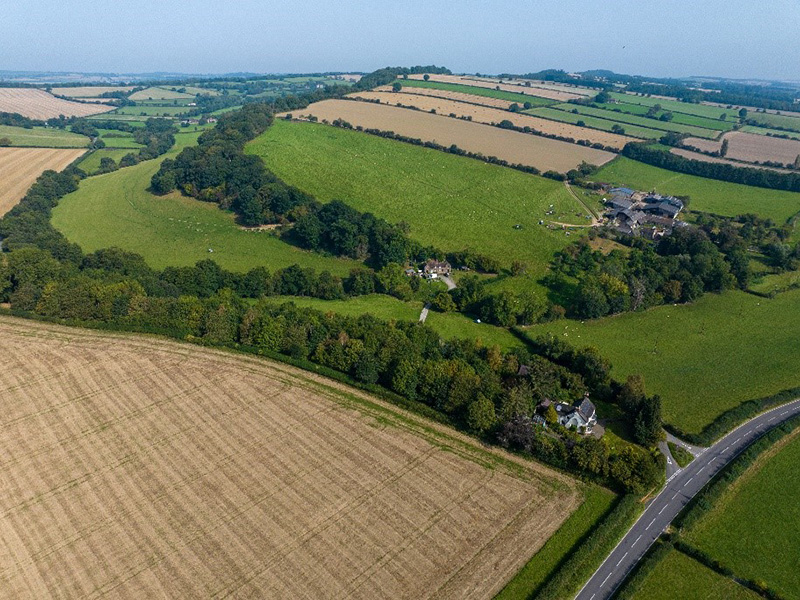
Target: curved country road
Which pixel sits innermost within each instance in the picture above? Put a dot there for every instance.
(680, 488)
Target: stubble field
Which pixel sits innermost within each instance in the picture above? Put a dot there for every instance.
(19, 168)
(38, 104)
(751, 147)
(484, 114)
(515, 147)
(539, 92)
(135, 467)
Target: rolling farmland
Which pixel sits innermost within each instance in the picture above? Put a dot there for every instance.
(116, 209)
(715, 159)
(447, 95)
(38, 104)
(601, 123)
(19, 168)
(155, 469)
(488, 92)
(158, 93)
(515, 147)
(482, 114)
(90, 91)
(43, 137)
(450, 201)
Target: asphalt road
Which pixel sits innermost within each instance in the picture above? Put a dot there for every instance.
(679, 489)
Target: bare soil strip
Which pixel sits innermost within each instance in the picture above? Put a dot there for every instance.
(19, 168)
(751, 147)
(515, 147)
(38, 104)
(465, 107)
(551, 94)
(138, 467)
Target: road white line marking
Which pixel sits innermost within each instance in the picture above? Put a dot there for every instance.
(663, 508)
(772, 419)
(737, 440)
(676, 495)
(688, 482)
(786, 412)
(651, 524)
(701, 469)
(593, 595)
(725, 450)
(604, 580)
(633, 544)
(621, 559)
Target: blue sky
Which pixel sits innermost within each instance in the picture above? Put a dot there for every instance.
(729, 38)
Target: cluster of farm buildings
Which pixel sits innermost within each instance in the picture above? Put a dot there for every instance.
(433, 269)
(641, 213)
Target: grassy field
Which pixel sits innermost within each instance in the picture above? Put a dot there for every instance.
(449, 201)
(19, 168)
(91, 162)
(766, 130)
(678, 576)
(43, 137)
(118, 139)
(755, 528)
(151, 111)
(521, 99)
(161, 470)
(707, 195)
(770, 120)
(700, 358)
(596, 503)
(159, 93)
(117, 210)
(677, 117)
(688, 108)
(596, 122)
(625, 119)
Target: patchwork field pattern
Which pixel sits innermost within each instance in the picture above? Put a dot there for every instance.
(90, 91)
(512, 146)
(143, 468)
(19, 168)
(38, 104)
(484, 114)
(447, 95)
(158, 93)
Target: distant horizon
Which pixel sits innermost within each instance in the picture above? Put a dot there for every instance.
(733, 40)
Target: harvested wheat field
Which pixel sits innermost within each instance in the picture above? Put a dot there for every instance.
(515, 147)
(19, 168)
(38, 104)
(578, 90)
(90, 91)
(448, 95)
(751, 147)
(550, 94)
(482, 114)
(136, 467)
(690, 154)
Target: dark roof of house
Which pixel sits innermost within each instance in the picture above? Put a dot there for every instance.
(621, 203)
(585, 408)
(437, 264)
(622, 191)
(668, 208)
(657, 220)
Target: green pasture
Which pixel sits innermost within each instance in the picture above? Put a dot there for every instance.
(755, 528)
(451, 202)
(625, 119)
(91, 162)
(676, 106)
(159, 93)
(767, 130)
(151, 111)
(707, 195)
(677, 117)
(477, 91)
(595, 122)
(118, 139)
(702, 358)
(43, 137)
(117, 210)
(678, 576)
(777, 121)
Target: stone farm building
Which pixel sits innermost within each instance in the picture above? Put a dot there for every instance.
(638, 213)
(437, 267)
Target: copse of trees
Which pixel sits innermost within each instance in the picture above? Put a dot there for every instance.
(679, 268)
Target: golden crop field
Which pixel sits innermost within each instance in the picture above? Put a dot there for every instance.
(578, 90)
(485, 114)
(90, 91)
(751, 147)
(19, 168)
(515, 147)
(38, 104)
(551, 94)
(137, 467)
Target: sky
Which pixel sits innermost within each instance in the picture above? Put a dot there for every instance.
(668, 38)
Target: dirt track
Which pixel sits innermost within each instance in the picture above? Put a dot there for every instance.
(136, 467)
(515, 147)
